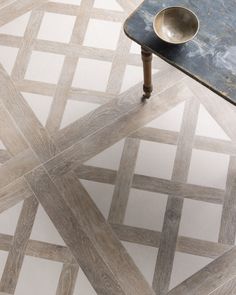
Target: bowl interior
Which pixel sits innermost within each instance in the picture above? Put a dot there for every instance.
(176, 25)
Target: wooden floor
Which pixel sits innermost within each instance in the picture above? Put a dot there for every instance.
(101, 193)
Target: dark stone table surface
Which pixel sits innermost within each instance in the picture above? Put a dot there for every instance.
(210, 57)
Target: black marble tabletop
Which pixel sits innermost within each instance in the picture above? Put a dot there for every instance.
(210, 57)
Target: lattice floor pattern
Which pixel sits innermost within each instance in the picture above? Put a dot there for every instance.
(77, 144)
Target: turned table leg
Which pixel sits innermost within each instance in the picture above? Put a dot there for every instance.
(147, 72)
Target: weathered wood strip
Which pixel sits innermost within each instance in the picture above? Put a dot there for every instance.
(95, 143)
(124, 181)
(67, 279)
(14, 193)
(17, 250)
(228, 220)
(166, 252)
(17, 8)
(86, 246)
(24, 117)
(228, 288)
(102, 236)
(4, 156)
(17, 167)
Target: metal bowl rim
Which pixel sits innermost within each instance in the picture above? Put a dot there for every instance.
(170, 7)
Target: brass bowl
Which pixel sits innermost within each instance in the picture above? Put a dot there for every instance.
(176, 25)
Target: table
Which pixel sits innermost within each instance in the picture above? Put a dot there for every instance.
(209, 58)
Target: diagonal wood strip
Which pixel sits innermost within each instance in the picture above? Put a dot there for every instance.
(88, 236)
(17, 8)
(211, 277)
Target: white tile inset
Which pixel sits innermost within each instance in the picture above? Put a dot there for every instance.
(44, 67)
(109, 158)
(144, 257)
(17, 26)
(3, 259)
(207, 126)
(186, 265)
(8, 57)
(44, 230)
(170, 120)
(208, 169)
(110, 5)
(133, 75)
(2, 146)
(200, 220)
(92, 74)
(38, 276)
(102, 34)
(155, 159)
(73, 2)
(40, 105)
(101, 193)
(75, 110)
(9, 219)
(135, 48)
(145, 209)
(83, 286)
(56, 27)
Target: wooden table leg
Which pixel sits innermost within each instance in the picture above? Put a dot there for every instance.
(147, 72)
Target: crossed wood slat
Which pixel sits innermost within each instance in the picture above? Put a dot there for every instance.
(44, 164)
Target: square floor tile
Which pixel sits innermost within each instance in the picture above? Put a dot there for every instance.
(3, 259)
(2, 146)
(83, 286)
(109, 158)
(17, 26)
(110, 5)
(101, 193)
(9, 219)
(208, 169)
(44, 230)
(200, 220)
(75, 110)
(73, 2)
(135, 48)
(155, 159)
(92, 74)
(8, 57)
(186, 265)
(44, 67)
(56, 27)
(102, 34)
(38, 276)
(170, 120)
(145, 209)
(144, 257)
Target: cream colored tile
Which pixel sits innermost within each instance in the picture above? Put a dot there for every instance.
(8, 57)
(145, 209)
(186, 265)
(44, 67)
(155, 159)
(17, 26)
(92, 74)
(56, 27)
(144, 257)
(200, 220)
(208, 169)
(9, 219)
(102, 34)
(110, 5)
(38, 276)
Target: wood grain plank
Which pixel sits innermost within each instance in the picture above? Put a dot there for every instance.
(17, 251)
(13, 194)
(67, 279)
(102, 236)
(25, 119)
(228, 288)
(166, 252)
(83, 245)
(124, 181)
(123, 126)
(17, 8)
